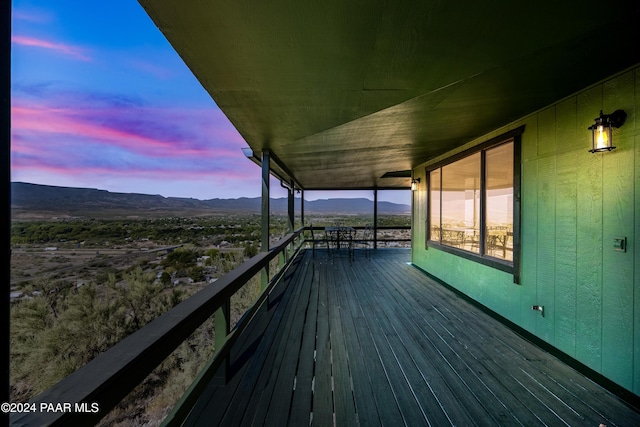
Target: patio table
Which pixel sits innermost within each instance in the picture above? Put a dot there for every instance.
(337, 234)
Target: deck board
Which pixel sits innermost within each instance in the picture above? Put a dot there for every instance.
(509, 353)
(304, 361)
(465, 388)
(343, 395)
(490, 392)
(370, 358)
(365, 405)
(398, 348)
(252, 382)
(374, 341)
(488, 389)
(270, 400)
(323, 405)
(504, 364)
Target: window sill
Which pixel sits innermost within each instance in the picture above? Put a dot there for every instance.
(496, 263)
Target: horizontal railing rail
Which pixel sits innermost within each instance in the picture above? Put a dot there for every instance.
(206, 375)
(394, 239)
(87, 395)
(375, 239)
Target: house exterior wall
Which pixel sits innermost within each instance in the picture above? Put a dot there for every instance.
(573, 204)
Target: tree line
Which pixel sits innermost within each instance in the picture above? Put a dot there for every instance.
(122, 231)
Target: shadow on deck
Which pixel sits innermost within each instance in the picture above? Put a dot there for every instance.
(375, 341)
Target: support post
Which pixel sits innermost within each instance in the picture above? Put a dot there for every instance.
(265, 200)
(413, 217)
(375, 219)
(266, 174)
(302, 207)
(290, 207)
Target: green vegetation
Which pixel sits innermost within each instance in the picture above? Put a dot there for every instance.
(358, 220)
(100, 280)
(61, 328)
(95, 232)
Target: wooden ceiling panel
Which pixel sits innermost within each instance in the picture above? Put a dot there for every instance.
(343, 91)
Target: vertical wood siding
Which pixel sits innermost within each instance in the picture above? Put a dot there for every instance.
(589, 243)
(573, 205)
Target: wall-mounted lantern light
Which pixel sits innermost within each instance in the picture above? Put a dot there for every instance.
(601, 131)
(414, 183)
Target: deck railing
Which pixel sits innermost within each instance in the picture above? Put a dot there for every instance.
(386, 240)
(376, 238)
(90, 393)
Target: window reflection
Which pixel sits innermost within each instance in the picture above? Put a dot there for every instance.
(461, 203)
(434, 185)
(457, 203)
(499, 200)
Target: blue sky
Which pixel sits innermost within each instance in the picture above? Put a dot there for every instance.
(101, 100)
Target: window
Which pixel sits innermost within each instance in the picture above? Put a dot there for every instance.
(460, 204)
(472, 208)
(499, 202)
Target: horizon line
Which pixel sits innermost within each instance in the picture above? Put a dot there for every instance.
(217, 198)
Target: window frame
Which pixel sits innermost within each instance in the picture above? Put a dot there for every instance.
(512, 267)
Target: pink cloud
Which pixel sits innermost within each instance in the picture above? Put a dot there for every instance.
(134, 142)
(59, 121)
(65, 49)
(98, 174)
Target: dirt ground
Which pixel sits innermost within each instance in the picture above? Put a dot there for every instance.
(78, 265)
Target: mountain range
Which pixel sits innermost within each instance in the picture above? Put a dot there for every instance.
(35, 200)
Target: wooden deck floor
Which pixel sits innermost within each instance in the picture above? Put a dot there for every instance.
(376, 342)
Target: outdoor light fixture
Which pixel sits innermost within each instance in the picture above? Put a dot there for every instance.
(601, 131)
(414, 184)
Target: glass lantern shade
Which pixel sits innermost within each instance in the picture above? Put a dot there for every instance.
(601, 131)
(601, 138)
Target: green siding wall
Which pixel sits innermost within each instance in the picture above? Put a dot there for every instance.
(573, 204)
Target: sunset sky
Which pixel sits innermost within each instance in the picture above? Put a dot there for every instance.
(101, 100)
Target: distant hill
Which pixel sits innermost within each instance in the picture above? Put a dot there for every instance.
(37, 200)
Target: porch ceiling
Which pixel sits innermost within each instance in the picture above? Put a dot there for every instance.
(344, 91)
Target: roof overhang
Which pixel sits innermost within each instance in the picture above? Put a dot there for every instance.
(343, 92)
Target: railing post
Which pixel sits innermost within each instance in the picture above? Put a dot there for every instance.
(282, 258)
(222, 325)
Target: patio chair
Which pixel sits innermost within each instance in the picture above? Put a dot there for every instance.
(314, 241)
(365, 240)
(346, 237)
(339, 238)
